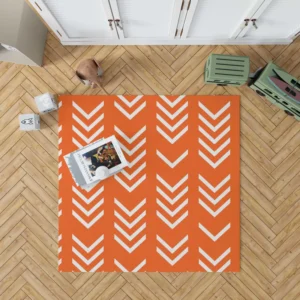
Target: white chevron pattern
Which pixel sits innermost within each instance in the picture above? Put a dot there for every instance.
(216, 261)
(218, 126)
(130, 213)
(134, 186)
(126, 138)
(176, 186)
(172, 262)
(86, 115)
(133, 114)
(172, 116)
(174, 103)
(133, 247)
(174, 212)
(176, 162)
(85, 223)
(216, 139)
(216, 200)
(218, 162)
(216, 115)
(176, 247)
(214, 213)
(170, 200)
(87, 249)
(76, 143)
(218, 235)
(174, 127)
(130, 237)
(133, 102)
(136, 148)
(85, 211)
(174, 139)
(136, 172)
(86, 139)
(130, 225)
(174, 224)
(84, 247)
(94, 269)
(137, 159)
(136, 269)
(218, 150)
(214, 189)
(86, 127)
(90, 199)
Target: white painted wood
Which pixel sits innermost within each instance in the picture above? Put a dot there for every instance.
(253, 14)
(142, 41)
(49, 19)
(183, 17)
(81, 19)
(113, 6)
(113, 39)
(279, 20)
(217, 18)
(146, 19)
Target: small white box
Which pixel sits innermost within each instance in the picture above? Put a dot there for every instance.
(29, 122)
(46, 103)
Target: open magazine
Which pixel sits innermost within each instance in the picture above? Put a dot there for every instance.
(96, 162)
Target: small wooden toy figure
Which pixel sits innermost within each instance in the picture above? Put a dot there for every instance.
(89, 72)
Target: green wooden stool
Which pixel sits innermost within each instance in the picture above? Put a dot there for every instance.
(227, 69)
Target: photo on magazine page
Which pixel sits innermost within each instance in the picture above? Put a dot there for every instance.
(105, 155)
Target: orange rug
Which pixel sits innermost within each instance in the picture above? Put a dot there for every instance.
(175, 208)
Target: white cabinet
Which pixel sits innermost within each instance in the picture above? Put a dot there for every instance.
(217, 18)
(280, 20)
(171, 21)
(75, 20)
(155, 19)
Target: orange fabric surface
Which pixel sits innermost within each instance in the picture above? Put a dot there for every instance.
(175, 208)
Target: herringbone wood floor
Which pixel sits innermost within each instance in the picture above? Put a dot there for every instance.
(270, 177)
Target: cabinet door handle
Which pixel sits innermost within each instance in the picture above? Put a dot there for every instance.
(246, 22)
(118, 24)
(110, 21)
(254, 23)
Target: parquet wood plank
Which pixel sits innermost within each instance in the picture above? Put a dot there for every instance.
(11, 100)
(11, 277)
(164, 54)
(38, 286)
(11, 222)
(270, 176)
(283, 263)
(13, 288)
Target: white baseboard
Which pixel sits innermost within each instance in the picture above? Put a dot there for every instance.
(176, 42)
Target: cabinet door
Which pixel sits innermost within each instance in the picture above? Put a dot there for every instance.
(146, 18)
(217, 19)
(279, 20)
(77, 20)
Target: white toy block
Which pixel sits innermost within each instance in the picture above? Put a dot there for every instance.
(29, 122)
(46, 103)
